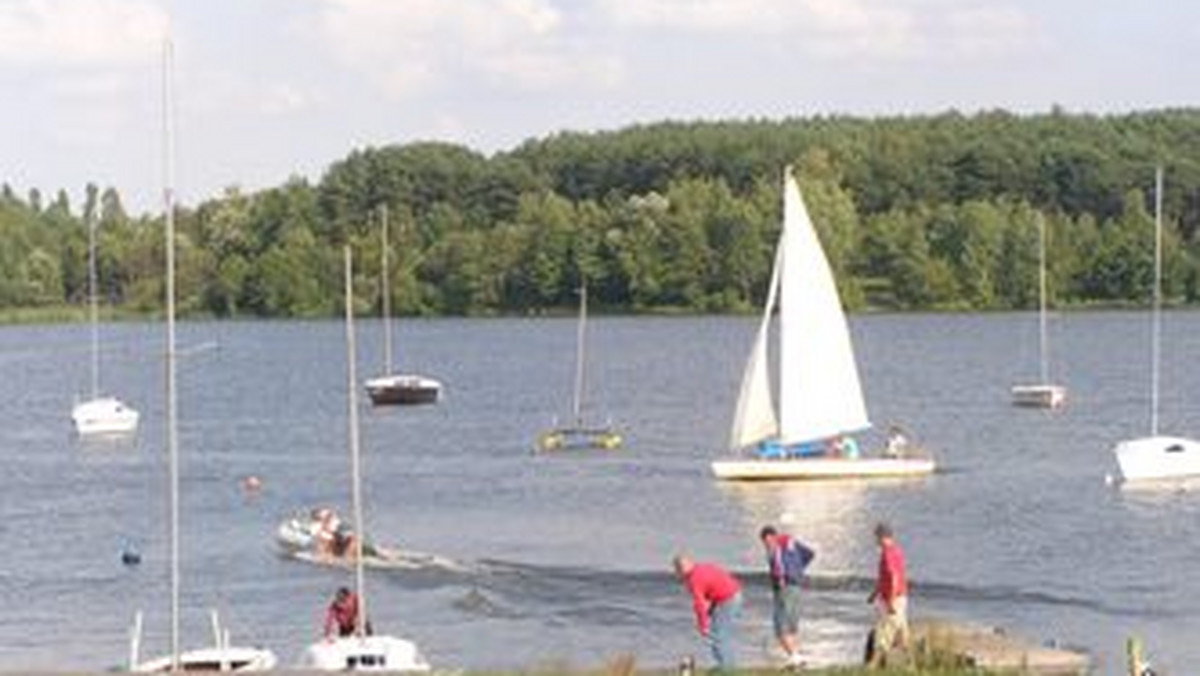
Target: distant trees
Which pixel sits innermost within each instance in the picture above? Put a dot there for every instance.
(925, 212)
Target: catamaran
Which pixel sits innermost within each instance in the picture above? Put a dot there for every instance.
(1044, 394)
(579, 435)
(100, 415)
(1157, 457)
(820, 398)
(396, 388)
(362, 651)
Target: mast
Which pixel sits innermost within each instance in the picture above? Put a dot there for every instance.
(172, 405)
(579, 357)
(1156, 326)
(352, 430)
(1043, 338)
(387, 295)
(94, 312)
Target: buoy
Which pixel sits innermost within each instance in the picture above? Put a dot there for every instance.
(130, 557)
(251, 484)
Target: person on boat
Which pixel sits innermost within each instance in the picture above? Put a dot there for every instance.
(897, 443)
(890, 598)
(326, 524)
(716, 600)
(787, 558)
(849, 446)
(342, 615)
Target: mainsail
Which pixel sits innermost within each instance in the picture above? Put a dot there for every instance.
(819, 391)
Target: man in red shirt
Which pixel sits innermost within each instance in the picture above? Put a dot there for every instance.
(342, 614)
(716, 600)
(890, 598)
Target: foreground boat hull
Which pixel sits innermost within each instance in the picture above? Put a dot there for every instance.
(403, 390)
(104, 416)
(1039, 396)
(1157, 458)
(820, 468)
(366, 653)
(214, 659)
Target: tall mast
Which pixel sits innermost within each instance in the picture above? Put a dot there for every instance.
(387, 295)
(94, 313)
(1042, 335)
(1156, 327)
(579, 356)
(352, 430)
(168, 123)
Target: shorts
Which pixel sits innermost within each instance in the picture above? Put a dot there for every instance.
(786, 611)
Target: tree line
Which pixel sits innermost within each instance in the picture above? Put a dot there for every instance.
(927, 212)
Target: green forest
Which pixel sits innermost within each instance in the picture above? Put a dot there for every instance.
(936, 212)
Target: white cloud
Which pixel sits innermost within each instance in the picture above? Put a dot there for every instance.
(79, 33)
(841, 29)
(416, 45)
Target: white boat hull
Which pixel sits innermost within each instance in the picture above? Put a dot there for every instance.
(233, 658)
(403, 389)
(820, 468)
(1157, 458)
(104, 416)
(1039, 396)
(365, 653)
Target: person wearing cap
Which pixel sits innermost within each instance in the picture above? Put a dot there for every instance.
(890, 598)
(787, 559)
(716, 600)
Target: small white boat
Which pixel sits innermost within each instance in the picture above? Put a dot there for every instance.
(820, 397)
(364, 653)
(579, 435)
(1156, 458)
(103, 416)
(219, 657)
(361, 651)
(402, 389)
(99, 415)
(300, 538)
(1043, 394)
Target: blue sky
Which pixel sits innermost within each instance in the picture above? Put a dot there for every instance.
(266, 89)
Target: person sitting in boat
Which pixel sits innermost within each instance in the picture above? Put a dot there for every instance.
(327, 523)
(897, 443)
(849, 447)
(342, 615)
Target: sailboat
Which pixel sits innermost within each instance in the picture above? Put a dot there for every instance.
(100, 415)
(396, 388)
(362, 651)
(820, 398)
(578, 435)
(221, 656)
(1043, 394)
(1157, 457)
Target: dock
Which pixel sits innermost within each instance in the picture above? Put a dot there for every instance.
(988, 647)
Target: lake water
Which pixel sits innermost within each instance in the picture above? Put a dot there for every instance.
(567, 557)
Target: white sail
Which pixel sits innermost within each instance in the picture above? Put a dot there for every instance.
(754, 417)
(819, 391)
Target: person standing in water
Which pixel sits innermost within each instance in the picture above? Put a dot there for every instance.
(787, 559)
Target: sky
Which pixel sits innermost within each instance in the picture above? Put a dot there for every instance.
(265, 90)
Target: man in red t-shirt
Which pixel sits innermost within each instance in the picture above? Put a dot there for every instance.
(890, 598)
(716, 600)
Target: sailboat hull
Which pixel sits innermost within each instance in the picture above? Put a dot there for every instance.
(104, 416)
(403, 390)
(1157, 458)
(366, 653)
(214, 660)
(820, 468)
(579, 439)
(1039, 396)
